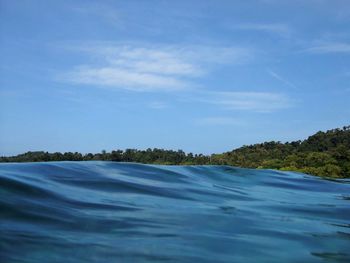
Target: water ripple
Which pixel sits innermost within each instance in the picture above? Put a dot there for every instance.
(125, 212)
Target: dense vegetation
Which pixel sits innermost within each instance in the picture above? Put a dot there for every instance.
(324, 154)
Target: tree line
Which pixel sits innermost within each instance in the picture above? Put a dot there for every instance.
(151, 156)
(324, 154)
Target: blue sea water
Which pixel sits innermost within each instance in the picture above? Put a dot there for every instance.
(125, 212)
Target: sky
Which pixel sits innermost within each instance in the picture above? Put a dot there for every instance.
(204, 76)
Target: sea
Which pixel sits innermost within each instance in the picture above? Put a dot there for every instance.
(99, 211)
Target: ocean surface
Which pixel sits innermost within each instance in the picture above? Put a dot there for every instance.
(125, 212)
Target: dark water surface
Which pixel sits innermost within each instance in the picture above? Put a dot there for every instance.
(118, 212)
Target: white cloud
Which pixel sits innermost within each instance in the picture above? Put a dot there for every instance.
(334, 47)
(154, 68)
(169, 68)
(249, 101)
(124, 79)
(155, 62)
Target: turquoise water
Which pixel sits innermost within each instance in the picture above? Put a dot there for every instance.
(119, 212)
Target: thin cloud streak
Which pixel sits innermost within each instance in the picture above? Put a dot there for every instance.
(324, 48)
(282, 30)
(222, 121)
(281, 79)
(100, 11)
(157, 105)
(262, 102)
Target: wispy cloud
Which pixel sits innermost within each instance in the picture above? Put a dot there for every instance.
(99, 11)
(282, 30)
(263, 102)
(209, 121)
(121, 78)
(331, 47)
(145, 68)
(158, 105)
(281, 79)
(152, 68)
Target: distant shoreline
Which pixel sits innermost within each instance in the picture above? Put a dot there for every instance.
(325, 154)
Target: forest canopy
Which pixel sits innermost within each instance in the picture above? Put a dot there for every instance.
(324, 154)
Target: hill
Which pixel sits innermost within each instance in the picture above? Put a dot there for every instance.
(324, 154)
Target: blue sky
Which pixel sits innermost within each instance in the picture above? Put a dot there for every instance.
(202, 76)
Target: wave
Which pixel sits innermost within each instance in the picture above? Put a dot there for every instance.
(127, 212)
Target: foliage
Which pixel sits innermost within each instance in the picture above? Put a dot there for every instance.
(324, 154)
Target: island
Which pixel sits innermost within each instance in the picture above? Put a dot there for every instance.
(325, 154)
